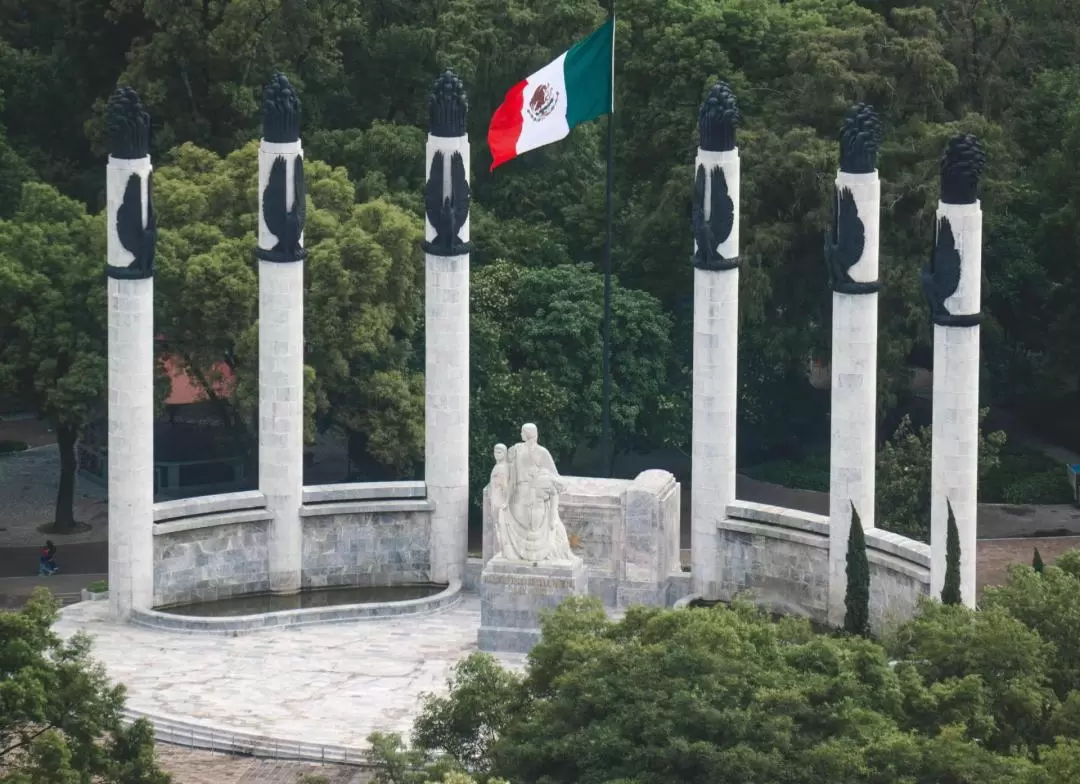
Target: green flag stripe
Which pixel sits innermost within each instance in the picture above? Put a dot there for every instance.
(587, 70)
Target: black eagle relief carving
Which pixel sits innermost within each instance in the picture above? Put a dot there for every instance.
(285, 224)
(844, 245)
(447, 214)
(138, 240)
(711, 232)
(941, 278)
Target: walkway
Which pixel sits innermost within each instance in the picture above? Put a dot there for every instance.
(331, 685)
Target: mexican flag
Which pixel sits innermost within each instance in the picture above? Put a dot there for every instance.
(572, 89)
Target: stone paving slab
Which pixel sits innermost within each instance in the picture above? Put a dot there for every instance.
(329, 685)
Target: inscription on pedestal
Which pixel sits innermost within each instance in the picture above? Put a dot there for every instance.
(513, 594)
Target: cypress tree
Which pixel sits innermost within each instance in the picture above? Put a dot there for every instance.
(857, 598)
(950, 593)
(1037, 562)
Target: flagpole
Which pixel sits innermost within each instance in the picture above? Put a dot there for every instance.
(607, 455)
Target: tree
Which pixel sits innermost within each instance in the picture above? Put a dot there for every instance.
(903, 470)
(362, 299)
(950, 592)
(857, 595)
(52, 320)
(536, 356)
(730, 695)
(60, 719)
(1037, 562)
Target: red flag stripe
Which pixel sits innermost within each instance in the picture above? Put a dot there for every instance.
(506, 124)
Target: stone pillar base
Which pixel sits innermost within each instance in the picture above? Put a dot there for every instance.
(512, 594)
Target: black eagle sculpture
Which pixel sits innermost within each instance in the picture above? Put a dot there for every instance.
(280, 110)
(844, 245)
(710, 233)
(941, 278)
(138, 240)
(285, 224)
(447, 214)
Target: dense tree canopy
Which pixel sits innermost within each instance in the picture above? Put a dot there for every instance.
(1006, 70)
(731, 695)
(60, 718)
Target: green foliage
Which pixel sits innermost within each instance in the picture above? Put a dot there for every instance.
(60, 719)
(536, 352)
(857, 595)
(98, 586)
(7, 446)
(903, 476)
(729, 695)
(466, 727)
(950, 592)
(52, 319)
(362, 296)
(1048, 603)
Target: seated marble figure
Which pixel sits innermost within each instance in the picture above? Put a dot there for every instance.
(525, 487)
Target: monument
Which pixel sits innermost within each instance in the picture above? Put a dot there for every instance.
(132, 239)
(851, 256)
(952, 283)
(282, 210)
(716, 328)
(533, 567)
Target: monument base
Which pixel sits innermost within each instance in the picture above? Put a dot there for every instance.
(512, 594)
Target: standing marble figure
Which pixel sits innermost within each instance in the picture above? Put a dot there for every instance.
(851, 256)
(131, 235)
(952, 282)
(533, 568)
(528, 526)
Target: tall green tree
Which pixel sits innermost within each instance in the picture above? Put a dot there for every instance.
(52, 321)
(362, 299)
(857, 595)
(60, 718)
(950, 592)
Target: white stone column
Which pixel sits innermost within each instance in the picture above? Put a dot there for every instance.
(955, 308)
(852, 262)
(130, 241)
(716, 333)
(281, 330)
(446, 329)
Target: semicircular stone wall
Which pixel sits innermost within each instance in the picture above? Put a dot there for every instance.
(215, 547)
(779, 558)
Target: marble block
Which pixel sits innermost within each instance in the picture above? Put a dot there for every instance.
(512, 595)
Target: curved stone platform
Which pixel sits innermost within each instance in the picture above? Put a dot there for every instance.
(344, 613)
(308, 692)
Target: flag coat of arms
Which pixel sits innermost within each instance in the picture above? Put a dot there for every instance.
(572, 89)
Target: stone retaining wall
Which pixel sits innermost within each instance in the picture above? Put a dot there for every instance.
(780, 559)
(215, 547)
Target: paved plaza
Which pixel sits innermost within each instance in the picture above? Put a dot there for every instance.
(331, 684)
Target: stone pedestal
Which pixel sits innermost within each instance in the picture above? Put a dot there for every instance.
(512, 595)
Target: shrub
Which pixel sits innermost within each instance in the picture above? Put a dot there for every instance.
(7, 447)
(98, 586)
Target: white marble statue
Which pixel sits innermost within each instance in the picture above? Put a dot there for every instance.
(525, 487)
